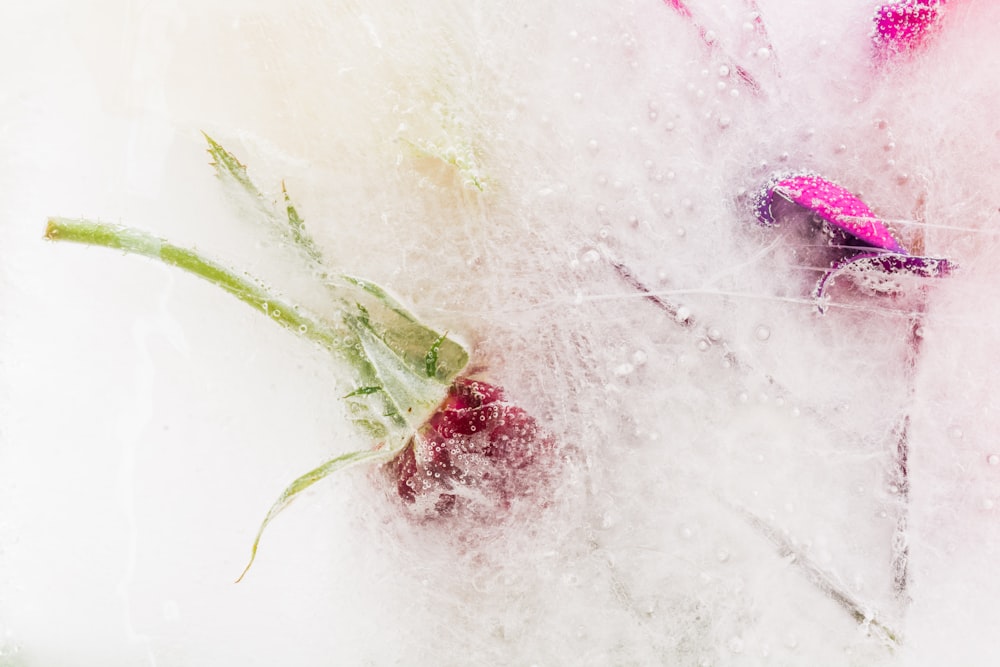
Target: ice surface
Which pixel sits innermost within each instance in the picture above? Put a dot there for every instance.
(728, 460)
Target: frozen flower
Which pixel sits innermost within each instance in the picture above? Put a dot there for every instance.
(858, 243)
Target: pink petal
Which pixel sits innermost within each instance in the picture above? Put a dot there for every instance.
(833, 204)
(902, 26)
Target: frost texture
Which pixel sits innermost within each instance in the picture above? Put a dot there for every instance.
(601, 129)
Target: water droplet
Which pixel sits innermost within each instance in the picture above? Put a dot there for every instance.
(703, 345)
(725, 122)
(303, 328)
(987, 504)
(683, 314)
(722, 555)
(714, 335)
(681, 232)
(724, 70)
(743, 397)
(764, 53)
(592, 145)
(639, 357)
(577, 97)
(993, 460)
(955, 433)
(762, 333)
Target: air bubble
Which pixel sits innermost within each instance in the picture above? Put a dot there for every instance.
(762, 333)
(683, 314)
(993, 460)
(703, 345)
(714, 335)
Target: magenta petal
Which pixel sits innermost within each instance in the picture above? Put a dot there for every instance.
(679, 6)
(833, 204)
(902, 26)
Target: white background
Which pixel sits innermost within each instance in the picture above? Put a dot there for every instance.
(148, 420)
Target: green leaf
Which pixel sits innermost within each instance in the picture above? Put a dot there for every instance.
(364, 391)
(290, 227)
(228, 166)
(297, 227)
(431, 359)
(412, 341)
(413, 397)
(315, 475)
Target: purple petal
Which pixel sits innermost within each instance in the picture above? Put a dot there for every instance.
(876, 271)
(902, 26)
(833, 204)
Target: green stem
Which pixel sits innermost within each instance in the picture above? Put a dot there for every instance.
(141, 243)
